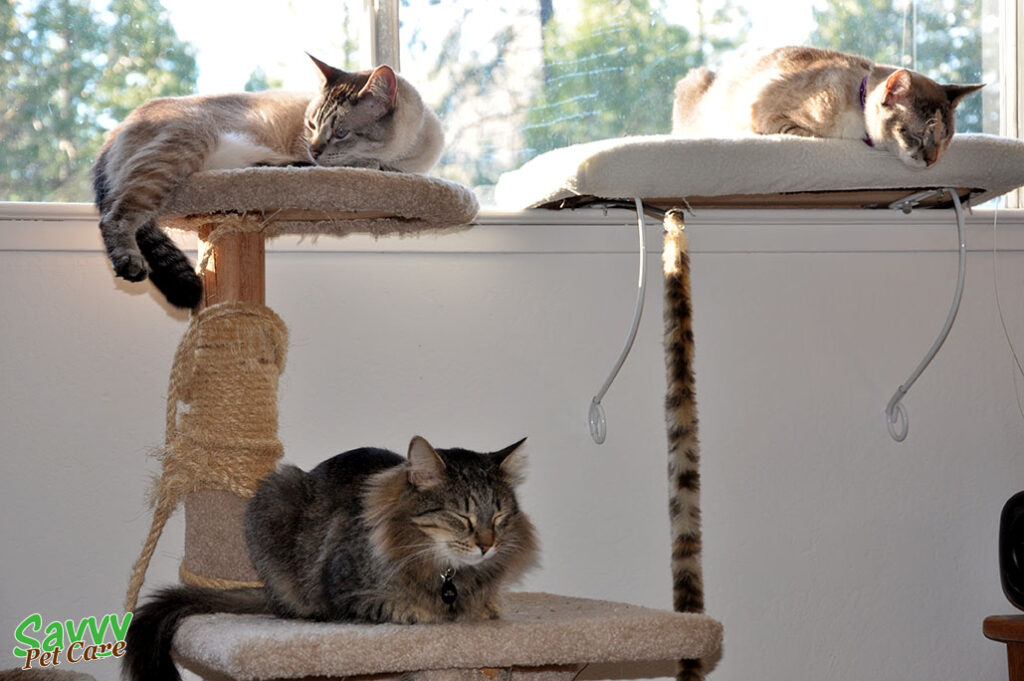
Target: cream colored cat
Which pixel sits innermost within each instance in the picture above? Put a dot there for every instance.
(821, 93)
(368, 119)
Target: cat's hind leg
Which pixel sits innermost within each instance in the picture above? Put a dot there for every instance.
(137, 247)
(119, 242)
(774, 125)
(122, 250)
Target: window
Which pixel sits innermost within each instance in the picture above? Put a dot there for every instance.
(519, 80)
(510, 79)
(70, 69)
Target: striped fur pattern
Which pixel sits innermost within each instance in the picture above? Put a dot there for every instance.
(366, 536)
(681, 421)
(366, 119)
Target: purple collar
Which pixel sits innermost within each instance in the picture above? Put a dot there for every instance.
(863, 106)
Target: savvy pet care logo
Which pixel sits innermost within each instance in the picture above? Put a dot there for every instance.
(65, 641)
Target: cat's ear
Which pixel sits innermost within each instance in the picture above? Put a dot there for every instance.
(381, 90)
(329, 73)
(511, 463)
(957, 92)
(426, 469)
(897, 88)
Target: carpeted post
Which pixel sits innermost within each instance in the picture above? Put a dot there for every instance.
(681, 422)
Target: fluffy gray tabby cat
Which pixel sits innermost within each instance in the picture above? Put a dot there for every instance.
(371, 119)
(821, 93)
(366, 536)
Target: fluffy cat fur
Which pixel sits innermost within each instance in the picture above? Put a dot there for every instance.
(818, 93)
(371, 119)
(366, 536)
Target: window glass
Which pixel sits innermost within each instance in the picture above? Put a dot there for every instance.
(515, 81)
(510, 79)
(70, 70)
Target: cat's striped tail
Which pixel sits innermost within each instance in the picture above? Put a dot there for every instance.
(169, 268)
(681, 421)
(150, 637)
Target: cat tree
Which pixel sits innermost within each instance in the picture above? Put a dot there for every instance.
(222, 440)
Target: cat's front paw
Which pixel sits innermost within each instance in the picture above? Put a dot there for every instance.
(409, 613)
(129, 265)
(492, 609)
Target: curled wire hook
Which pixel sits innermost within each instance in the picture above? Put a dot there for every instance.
(596, 417)
(896, 420)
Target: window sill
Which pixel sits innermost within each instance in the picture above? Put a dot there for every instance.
(71, 227)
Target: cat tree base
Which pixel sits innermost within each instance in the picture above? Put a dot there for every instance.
(540, 637)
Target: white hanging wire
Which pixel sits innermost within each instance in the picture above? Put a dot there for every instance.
(909, 34)
(903, 33)
(596, 416)
(913, 35)
(895, 413)
(1002, 318)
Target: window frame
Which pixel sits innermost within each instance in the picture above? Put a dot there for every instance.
(1011, 51)
(382, 18)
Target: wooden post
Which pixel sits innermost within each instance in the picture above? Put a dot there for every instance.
(236, 271)
(1010, 630)
(215, 544)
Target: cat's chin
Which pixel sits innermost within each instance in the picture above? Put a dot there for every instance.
(471, 559)
(913, 163)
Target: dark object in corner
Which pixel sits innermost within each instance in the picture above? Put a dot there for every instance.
(1011, 550)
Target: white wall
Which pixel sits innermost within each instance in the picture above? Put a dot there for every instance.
(832, 552)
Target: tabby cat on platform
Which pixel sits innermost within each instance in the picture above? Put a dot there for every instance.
(821, 93)
(366, 536)
(366, 120)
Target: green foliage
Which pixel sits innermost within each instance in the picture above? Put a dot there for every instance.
(477, 72)
(260, 81)
(946, 39)
(68, 73)
(613, 73)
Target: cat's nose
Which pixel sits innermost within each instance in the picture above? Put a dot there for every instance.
(485, 541)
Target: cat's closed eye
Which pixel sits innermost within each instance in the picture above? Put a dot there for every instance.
(909, 138)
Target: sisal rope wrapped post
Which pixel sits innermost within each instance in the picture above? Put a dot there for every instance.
(221, 436)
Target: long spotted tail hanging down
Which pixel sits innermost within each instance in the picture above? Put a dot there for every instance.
(681, 420)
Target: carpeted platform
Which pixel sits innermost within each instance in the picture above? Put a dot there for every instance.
(536, 630)
(324, 201)
(762, 171)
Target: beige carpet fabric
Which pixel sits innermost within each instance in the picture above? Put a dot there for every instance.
(664, 166)
(332, 201)
(536, 630)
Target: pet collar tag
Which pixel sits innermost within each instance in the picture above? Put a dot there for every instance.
(448, 591)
